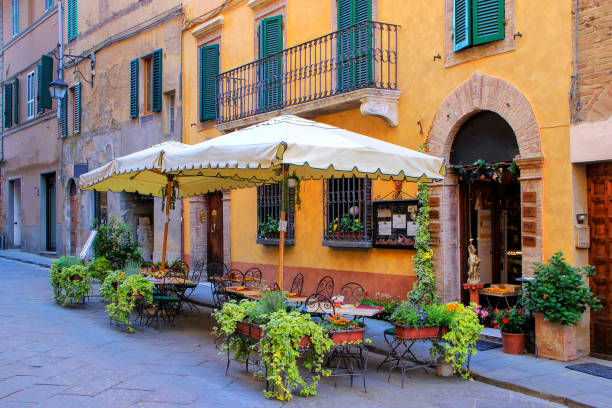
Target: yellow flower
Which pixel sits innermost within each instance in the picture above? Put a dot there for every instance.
(335, 227)
(356, 219)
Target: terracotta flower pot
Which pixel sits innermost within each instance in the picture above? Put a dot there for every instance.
(251, 330)
(405, 333)
(554, 340)
(513, 343)
(76, 278)
(353, 335)
(305, 342)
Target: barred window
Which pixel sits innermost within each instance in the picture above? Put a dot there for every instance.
(348, 209)
(268, 215)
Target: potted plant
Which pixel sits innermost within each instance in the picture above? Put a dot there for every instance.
(458, 342)
(70, 280)
(99, 268)
(344, 227)
(122, 293)
(342, 330)
(512, 323)
(420, 321)
(559, 295)
(269, 228)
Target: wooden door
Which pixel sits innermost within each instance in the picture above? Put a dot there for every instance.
(215, 228)
(600, 255)
(74, 218)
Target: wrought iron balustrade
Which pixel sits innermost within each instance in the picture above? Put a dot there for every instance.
(361, 56)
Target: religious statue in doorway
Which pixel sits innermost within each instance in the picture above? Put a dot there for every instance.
(473, 266)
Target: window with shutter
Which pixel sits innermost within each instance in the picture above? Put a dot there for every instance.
(488, 21)
(148, 84)
(39, 89)
(134, 88)
(271, 43)
(347, 211)
(461, 24)
(71, 15)
(15, 15)
(8, 105)
(209, 69)
(16, 100)
(76, 109)
(30, 96)
(268, 215)
(46, 76)
(63, 106)
(354, 44)
(156, 80)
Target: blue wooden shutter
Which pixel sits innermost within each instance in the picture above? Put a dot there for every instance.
(8, 105)
(63, 107)
(157, 81)
(209, 69)
(16, 100)
(71, 16)
(271, 43)
(461, 24)
(363, 43)
(47, 76)
(487, 21)
(134, 88)
(77, 109)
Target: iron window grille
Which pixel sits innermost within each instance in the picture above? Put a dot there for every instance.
(347, 212)
(268, 210)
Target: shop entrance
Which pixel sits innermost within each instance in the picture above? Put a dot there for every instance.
(489, 195)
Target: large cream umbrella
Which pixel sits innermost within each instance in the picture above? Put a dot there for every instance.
(288, 145)
(139, 172)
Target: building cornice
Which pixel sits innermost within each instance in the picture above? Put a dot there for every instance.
(208, 27)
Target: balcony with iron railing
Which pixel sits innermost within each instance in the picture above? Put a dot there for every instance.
(352, 68)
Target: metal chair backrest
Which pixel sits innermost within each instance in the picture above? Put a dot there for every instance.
(214, 269)
(298, 283)
(352, 292)
(252, 276)
(319, 304)
(234, 274)
(198, 269)
(219, 293)
(326, 286)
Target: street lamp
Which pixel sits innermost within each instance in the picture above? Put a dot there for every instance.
(57, 88)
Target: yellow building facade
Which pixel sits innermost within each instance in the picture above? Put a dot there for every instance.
(424, 87)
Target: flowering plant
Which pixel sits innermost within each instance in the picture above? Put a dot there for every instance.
(388, 302)
(345, 223)
(421, 315)
(485, 314)
(511, 320)
(339, 323)
(338, 299)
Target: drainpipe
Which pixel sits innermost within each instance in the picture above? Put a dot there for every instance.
(60, 44)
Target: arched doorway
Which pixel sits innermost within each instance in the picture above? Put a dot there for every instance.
(74, 217)
(483, 153)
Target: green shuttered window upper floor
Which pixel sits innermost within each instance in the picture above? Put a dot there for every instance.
(71, 17)
(156, 96)
(477, 22)
(209, 69)
(134, 88)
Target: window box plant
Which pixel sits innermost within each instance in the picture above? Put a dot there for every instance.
(420, 321)
(559, 295)
(512, 323)
(344, 331)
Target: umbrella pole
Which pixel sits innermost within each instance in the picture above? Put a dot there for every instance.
(283, 220)
(168, 195)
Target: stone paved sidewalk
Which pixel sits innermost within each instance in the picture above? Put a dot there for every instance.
(21, 256)
(51, 356)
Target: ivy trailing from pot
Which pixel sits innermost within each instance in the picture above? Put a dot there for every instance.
(99, 268)
(483, 170)
(70, 280)
(122, 293)
(173, 194)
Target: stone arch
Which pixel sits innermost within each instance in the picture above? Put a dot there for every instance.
(483, 92)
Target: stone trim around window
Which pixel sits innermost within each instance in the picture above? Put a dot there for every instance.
(452, 58)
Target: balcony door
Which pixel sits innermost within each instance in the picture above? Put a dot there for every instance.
(354, 44)
(270, 70)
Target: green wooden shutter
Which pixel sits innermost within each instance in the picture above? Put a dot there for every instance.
(8, 105)
(461, 24)
(39, 107)
(71, 15)
(47, 76)
(209, 69)
(63, 106)
(134, 88)
(363, 43)
(16, 100)
(345, 45)
(157, 81)
(77, 109)
(488, 21)
(271, 43)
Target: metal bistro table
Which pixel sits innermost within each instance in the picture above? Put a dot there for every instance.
(400, 355)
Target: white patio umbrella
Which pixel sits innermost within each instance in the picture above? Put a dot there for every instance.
(285, 146)
(139, 172)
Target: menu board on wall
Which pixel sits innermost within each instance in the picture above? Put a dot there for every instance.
(395, 223)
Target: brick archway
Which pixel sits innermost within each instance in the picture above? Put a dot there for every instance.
(483, 92)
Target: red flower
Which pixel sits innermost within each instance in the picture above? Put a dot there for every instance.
(496, 310)
(495, 326)
(505, 320)
(545, 297)
(367, 294)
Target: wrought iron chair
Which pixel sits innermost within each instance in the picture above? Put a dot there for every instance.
(298, 284)
(252, 277)
(219, 293)
(196, 275)
(325, 286)
(352, 292)
(215, 269)
(167, 298)
(319, 305)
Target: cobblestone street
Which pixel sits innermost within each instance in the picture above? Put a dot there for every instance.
(70, 357)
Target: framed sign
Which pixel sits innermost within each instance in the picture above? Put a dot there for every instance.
(395, 223)
(88, 243)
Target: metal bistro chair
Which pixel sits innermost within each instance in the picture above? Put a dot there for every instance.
(326, 286)
(196, 275)
(319, 305)
(298, 284)
(215, 269)
(219, 293)
(352, 292)
(252, 277)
